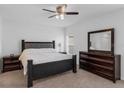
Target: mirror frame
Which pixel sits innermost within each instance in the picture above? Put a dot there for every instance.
(102, 51)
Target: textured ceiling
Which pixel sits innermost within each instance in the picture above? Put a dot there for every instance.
(33, 13)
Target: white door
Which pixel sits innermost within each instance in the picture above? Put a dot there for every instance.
(70, 44)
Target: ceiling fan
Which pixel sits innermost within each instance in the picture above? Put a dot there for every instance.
(60, 12)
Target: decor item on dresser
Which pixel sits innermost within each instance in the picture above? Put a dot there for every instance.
(11, 63)
(100, 58)
(40, 60)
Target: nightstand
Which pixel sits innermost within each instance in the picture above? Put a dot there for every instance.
(11, 63)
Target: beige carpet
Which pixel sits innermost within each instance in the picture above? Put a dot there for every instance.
(82, 79)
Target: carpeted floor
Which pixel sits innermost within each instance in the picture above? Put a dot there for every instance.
(82, 79)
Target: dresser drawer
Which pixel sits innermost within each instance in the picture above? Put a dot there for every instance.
(103, 65)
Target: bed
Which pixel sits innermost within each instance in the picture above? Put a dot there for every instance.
(44, 69)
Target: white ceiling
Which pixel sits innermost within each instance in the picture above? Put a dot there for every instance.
(33, 13)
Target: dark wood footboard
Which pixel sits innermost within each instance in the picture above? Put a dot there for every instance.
(47, 69)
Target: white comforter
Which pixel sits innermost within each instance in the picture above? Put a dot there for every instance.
(41, 56)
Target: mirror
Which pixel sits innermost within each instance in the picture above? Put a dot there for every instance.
(101, 41)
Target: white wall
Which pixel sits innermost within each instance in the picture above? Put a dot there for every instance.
(0, 37)
(14, 32)
(0, 44)
(114, 19)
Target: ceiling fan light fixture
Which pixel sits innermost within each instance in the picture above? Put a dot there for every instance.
(60, 12)
(62, 16)
(57, 17)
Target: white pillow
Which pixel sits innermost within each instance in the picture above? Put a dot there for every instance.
(40, 50)
(49, 50)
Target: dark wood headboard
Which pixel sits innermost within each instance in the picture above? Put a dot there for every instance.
(27, 44)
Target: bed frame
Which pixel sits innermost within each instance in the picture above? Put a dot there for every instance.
(46, 69)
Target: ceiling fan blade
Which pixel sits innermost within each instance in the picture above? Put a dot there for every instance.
(51, 16)
(71, 13)
(49, 10)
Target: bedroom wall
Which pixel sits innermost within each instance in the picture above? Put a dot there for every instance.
(0, 44)
(111, 20)
(14, 32)
(0, 38)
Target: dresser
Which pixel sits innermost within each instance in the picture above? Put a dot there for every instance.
(11, 63)
(104, 65)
